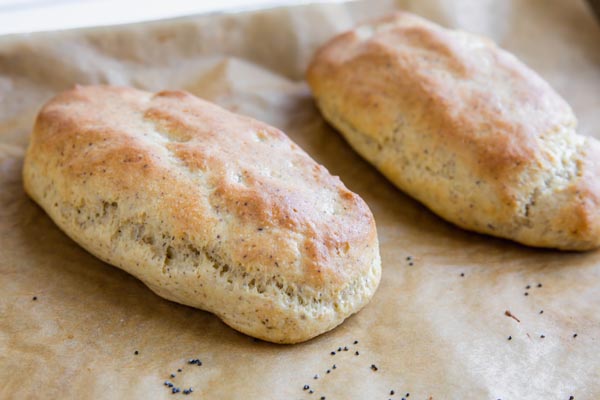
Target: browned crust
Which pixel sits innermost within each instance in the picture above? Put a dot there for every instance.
(214, 182)
(405, 83)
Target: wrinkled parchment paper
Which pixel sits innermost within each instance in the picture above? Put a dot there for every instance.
(430, 330)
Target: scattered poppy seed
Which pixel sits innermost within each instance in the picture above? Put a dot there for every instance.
(179, 370)
(316, 377)
(392, 392)
(305, 387)
(411, 263)
(311, 391)
(186, 392)
(539, 285)
(407, 394)
(574, 335)
(190, 389)
(542, 336)
(462, 274)
(339, 349)
(526, 294)
(571, 398)
(528, 287)
(374, 367)
(346, 348)
(403, 398)
(356, 353)
(541, 311)
(408, 258)
(172, 375)
(356, 342)
(322, 397)
(175, 390)
(334, 366)
(510, 338)
(333, 353)
(136, 352)
(328, 371)
(34, 298)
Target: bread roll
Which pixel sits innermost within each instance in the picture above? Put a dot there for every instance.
(208, 208)
(463, 127)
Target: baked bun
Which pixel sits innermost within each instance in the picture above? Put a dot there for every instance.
(208, 208)
(463, 127)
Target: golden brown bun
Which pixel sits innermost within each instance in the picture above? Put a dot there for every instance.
(208, 208)
(463, 127)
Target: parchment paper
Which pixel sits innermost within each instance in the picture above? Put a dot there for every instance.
(430, 330)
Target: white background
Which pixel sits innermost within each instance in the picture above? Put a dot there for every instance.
(22, 16)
